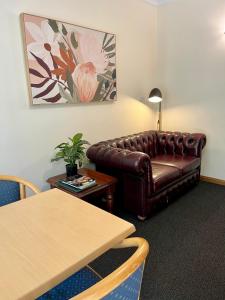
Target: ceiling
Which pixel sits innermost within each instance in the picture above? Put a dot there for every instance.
(157, 2)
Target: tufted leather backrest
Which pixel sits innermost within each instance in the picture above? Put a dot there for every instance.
(143, 142)
(180, 143)
(159, 142)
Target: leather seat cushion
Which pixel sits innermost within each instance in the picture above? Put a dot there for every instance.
(163, 175)
(184, 163)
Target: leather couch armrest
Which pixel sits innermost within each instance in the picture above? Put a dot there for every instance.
(125, 160)
(194, 143)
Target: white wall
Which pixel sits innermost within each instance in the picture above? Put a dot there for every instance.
(191, 63)
(29, 134)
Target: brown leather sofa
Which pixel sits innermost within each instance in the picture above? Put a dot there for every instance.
(152, 167)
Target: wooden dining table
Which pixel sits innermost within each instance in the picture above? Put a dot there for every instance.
(47, 237)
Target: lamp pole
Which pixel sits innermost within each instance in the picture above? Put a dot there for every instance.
(159, 123)
(155, 96)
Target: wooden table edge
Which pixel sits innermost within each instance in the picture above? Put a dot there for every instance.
(51, 283)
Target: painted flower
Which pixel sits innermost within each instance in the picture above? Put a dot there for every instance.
(92, 61)
(90, 50)
(45, 41)
(85, 79)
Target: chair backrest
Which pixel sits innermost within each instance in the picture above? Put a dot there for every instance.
(13, 188)
(124, 282)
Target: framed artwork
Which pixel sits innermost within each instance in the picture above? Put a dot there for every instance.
(67, 63)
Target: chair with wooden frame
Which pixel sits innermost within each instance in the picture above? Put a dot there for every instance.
(123, 283)
(13, 188)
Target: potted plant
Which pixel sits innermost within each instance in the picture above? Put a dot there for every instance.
(73, 153)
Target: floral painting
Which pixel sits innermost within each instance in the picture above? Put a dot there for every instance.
(68, 63)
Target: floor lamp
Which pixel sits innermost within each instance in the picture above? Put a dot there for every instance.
(155, 96)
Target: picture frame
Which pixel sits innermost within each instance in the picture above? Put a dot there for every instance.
(67, 63)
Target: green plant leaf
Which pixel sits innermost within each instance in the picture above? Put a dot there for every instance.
(72, 152)
(62, 145)
(83, 142)
(53, 24)
(55, 159)
(76, 138)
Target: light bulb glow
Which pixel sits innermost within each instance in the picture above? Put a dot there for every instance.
(155, 99)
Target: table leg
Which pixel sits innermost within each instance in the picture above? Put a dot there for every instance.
(109, 201)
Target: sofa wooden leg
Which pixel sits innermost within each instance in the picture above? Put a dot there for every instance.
(141, 218)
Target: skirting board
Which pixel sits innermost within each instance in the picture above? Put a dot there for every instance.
(213, 180)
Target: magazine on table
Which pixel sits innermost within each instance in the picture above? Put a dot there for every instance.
(77, 184)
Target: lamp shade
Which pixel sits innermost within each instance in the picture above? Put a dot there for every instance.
(155, 96)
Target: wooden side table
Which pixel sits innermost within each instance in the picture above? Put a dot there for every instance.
(105, 186)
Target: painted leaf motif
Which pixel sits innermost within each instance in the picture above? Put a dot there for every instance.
(104, 40)
(112, 95)
(58, 72)
(109, 41)
(110, 48)
(106, 76)
(114, 74)
(62, 46)
(110, 55)
(53, 24)
(67, 57)
(106, 84)
(35, 73)
(73, 40)
(108, 73)
(97, 96)
(65, 95)
(59, 62)
(64, 67)
(55, 65)
(38, 85)
(46, 91)
(64, 31)
(42, 64)
(53, 99)
(69, 80)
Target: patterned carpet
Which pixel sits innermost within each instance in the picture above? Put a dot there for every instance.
(187, 260)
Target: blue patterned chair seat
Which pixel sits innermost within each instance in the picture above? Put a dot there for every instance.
(72, 286)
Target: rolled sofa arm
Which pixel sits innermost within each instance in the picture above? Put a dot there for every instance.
(126, 160)
(194, 144)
